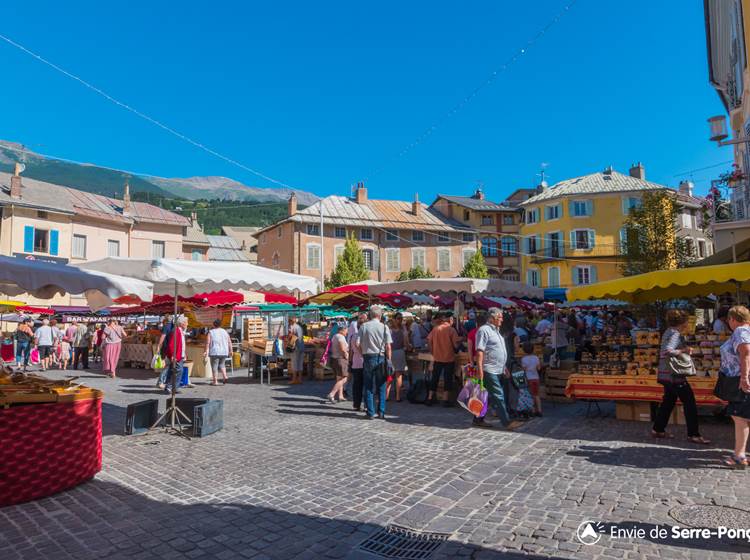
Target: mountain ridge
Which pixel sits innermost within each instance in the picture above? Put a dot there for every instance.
(92, 178)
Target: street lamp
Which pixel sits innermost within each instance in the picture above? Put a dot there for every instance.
(718, 127)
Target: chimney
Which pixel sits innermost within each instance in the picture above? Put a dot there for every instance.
(540, 188)
(291, 205)
(478, 194)
(361, 194)
(127, 207)
(686, 187)
(416, 207)
(15, 182)
(638, 171)
(194, 218)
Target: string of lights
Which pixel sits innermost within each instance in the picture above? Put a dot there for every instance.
(142, 115)
(517, 54)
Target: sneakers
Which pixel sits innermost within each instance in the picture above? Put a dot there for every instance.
(330, 400)
(368, 417)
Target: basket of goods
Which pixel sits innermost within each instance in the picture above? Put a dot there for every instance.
(596, 339)
(654, 338)
(641, 338)
(586, 356)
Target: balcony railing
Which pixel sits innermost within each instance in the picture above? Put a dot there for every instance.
(563, 251)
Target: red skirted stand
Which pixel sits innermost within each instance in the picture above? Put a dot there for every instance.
(50, 447)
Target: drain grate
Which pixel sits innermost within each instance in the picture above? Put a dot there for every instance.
(711, 516)
(399, 542)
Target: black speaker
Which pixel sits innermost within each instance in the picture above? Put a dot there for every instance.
(140, 416)
(187, 406)
(208, 418)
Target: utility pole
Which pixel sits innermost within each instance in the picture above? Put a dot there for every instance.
(322, 273)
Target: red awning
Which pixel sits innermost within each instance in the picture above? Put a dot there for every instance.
(34, 309)
(269, 297)
(208, 299)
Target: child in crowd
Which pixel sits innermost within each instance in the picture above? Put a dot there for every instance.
(531, 366)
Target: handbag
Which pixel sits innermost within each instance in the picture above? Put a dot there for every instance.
(291, 342)
(728, 388)
(681, 364)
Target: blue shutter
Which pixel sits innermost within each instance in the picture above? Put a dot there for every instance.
(570, 208)
(572, 239)
(589, 207)
(592, 275)
(592, 238)
(574, 273)
(54, 241)
(28, 239)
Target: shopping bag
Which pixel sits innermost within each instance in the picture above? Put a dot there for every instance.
(465, 394)
(326, 352)
(477, 404)
(278, 347)
(157, 363)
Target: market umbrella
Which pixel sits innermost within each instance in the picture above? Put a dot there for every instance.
(334, 295)
(45, 280)
(669, 284)
(469, 286)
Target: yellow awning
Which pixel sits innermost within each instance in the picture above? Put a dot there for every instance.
(10, 305)
(669, 284)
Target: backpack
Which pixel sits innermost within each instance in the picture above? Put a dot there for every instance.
(417, 393)
(22, 336)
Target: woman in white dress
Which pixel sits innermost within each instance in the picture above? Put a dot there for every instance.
(218, 349)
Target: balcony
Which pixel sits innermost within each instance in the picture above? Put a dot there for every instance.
(565, 251)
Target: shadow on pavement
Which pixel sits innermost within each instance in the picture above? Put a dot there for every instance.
(649, 458)
(114, 522)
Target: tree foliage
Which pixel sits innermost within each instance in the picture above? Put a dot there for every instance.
(415, 273)
(651, 242)
(350, 267)
(475, 267)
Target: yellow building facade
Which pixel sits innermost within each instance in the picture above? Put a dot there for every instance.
(573, 232)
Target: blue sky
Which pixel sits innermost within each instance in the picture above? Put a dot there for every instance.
(319, 95)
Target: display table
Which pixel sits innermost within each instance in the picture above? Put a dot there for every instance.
(48, 446)
(634, 388)
(140, 354)
(194, 353)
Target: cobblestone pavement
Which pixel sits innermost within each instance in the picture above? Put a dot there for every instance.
(290, 477)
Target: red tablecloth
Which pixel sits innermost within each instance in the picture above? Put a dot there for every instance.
(634, 388)
(47, 448)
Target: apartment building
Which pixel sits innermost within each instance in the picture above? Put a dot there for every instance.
(394, 236)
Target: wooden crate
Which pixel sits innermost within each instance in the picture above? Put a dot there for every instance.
(254, 327)
(555, 381)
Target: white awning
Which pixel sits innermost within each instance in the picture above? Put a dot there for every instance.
(194, 277)
(447, 286)
(45, 280)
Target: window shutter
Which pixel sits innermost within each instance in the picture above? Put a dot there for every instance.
(592, 238)
(54, 241)
(574, 272)
(592, 275)
(572, 239)
(570, 208)
(28, 239)
(625, 205)
(589, 207)
(376, 259)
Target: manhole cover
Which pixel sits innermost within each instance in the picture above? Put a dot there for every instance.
(711, 516)
(399, 542)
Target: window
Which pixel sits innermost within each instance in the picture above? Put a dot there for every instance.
(584, 275)
(79, 247)
(552, 212)
(313, 255)
(467, 254)
(489, 247)
(158, 250)
(510, 274)
(391, 235)
(392, 260)
(532, 277)
(701, 248)
(508, 220)
(113, 248)
(196, 255)
(582, 239)
(509, 246)
(687, 220)
(690, 247)
(739, 206)
(417, 236)
(623, 241)
(467, 215)
(553, 277)
(581, 208)
(369, 260)
(443, 237)
(41, 240)
(337, 252)
(532, 244)
(339, 232)
(275, 260)
(487, 220)
(313, 229)
(365, 234)
(630, 202)
(532, 216)
(468, 237)
(443, 259)
(418, 258)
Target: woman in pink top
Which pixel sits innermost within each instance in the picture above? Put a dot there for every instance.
(111, 346)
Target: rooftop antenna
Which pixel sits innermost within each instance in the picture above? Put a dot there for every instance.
(543, 172)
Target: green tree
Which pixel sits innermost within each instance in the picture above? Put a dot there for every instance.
(415, 273)
(475, 267)
(351, 266)
(651, 242)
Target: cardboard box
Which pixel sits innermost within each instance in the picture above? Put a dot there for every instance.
(642, 411)
(624, 410)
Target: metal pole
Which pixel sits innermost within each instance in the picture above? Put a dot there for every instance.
(322, 258)
(177, 374)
